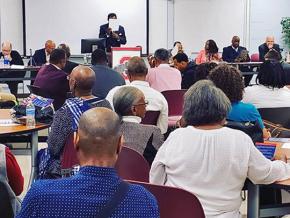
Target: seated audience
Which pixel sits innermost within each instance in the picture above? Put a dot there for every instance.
(273, 56)
(163, 77)
(220, 159)
(230, 81)
(187, 69)
(265, 47)
(14, 59)
(232, 52)
(271, 90)
(41, 56)
(209, 53)
(66, 119)
(92, 191)
(137, 71)
(203, 70)
(69, 65)
(106, 78)
(130, 105)
(52, 79)
(11, 169)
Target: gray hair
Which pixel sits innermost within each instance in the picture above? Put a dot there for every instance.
(124, 98)
(162, 54)
(137, 66)
(205, 104)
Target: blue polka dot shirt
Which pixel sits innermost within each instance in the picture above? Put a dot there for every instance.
(84, 194)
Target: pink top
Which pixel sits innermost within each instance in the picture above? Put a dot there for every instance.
(164, 78)
(202, 57)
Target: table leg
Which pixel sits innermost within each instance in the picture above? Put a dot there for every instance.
(34, 150)
(253, 200)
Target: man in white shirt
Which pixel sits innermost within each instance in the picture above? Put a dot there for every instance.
(137, 72)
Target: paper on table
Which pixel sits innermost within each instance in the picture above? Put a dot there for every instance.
(13, 66)
(114, 24)
(8, 122)
(286, 145)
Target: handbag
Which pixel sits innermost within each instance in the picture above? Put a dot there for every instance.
(277, 130)
(252, 129)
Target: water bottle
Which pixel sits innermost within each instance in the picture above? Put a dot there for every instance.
(6, 61)
(30, 115)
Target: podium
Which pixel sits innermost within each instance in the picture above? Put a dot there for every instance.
(120, 55)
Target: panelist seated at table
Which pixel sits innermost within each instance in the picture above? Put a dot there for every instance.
(52, 80)
(41, 56)
(233, 51)
(66, 119)
(209, 53)
(9, 165)
(210, 160)
(14, 58)
(96, 190)
(265, 47)
(114, 37)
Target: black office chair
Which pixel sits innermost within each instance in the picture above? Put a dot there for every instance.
(280, 115)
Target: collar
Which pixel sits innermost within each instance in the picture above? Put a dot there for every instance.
(98, 171)
(236, 49)
(56, 67)
(131, 119)
(164, 66)
(140, 83)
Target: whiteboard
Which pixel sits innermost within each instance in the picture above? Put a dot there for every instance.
(69, 21)
(196, 21)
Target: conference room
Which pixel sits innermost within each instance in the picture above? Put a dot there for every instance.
(184, 105)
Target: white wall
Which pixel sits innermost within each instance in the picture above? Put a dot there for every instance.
(265, 18)
(11, 23)
(196, 21)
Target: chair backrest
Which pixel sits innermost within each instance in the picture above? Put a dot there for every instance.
(174, 202)
(69, 155)
(255, 57)
(132, 166)
(175, 101)
(5, 205)
(279, 115)
(151, 118)
(36, 90)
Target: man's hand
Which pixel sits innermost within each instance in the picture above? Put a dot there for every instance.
(115, 35)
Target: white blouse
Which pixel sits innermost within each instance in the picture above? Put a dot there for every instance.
(213, 164)
(264, 97)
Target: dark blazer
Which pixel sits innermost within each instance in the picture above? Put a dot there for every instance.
(263, 50)
(53, 82)
(188, 75)
(230, 54)
(39, 57)
(110, 41)
(106, 79)
(69, 66)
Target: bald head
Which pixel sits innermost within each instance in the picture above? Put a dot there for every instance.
(82, 78)
(235, 41)
(99, 134)
(49, 46)
(6, 48)
(270, 41)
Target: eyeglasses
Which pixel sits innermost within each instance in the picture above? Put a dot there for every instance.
(145, 103)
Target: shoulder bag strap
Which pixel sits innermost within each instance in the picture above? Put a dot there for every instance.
(115, 201)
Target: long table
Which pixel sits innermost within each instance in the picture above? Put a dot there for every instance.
(18, 70)
(22, 129)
